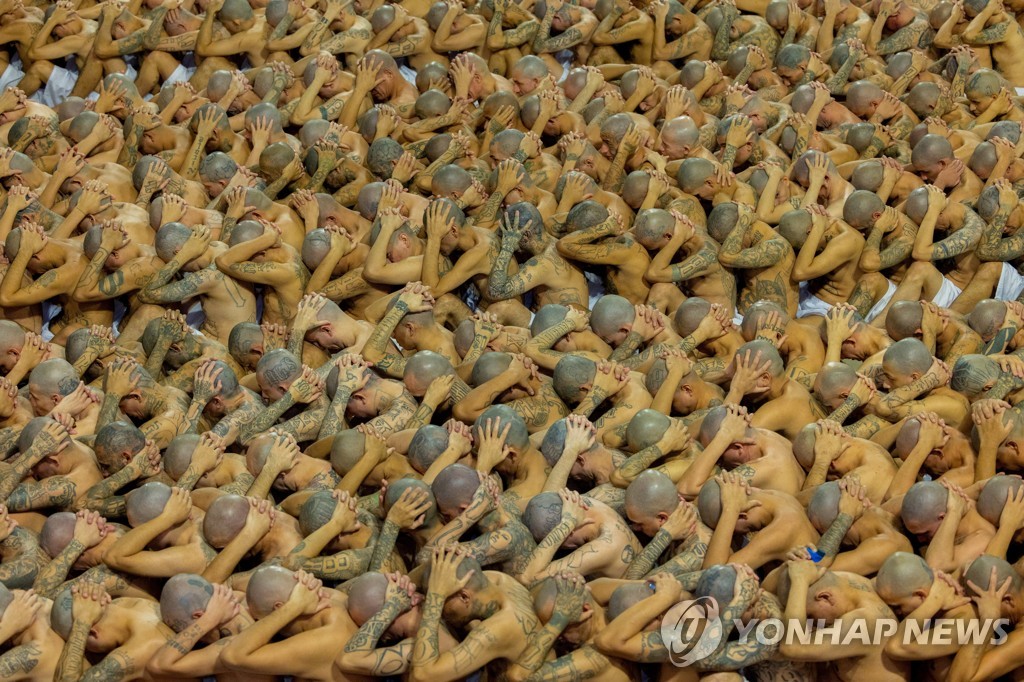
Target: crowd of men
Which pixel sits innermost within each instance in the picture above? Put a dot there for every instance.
(447, 340)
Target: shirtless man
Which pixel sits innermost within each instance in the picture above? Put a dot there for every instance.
(57, 265)
(828, 250)
(942, 517)
(837, 598)
(774, 520)
(556, 280)
(783, 404)
(189, 271)
(601, 542)
(758, 456)
(128, 631)
(258, 256)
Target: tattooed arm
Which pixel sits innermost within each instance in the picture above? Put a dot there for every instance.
(376, 348)
(13, 473)
(361, 656)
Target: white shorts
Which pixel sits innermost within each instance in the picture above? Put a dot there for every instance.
(810, 304)
(877, 309)
(408, 73)
(13, 74)
(947, 293)
(595, 288)
(50, 311)
(58, 87)
(180, 74)
(1011, 284)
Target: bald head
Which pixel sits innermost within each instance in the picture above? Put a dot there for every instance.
(542, 514)
(794, 227)
(146, 502)
(183, 599)
(823, 508)
(901, 575)
(908, 356)
(973, 374)
(116, 443)
(268, 588)
(426, 446)
(645, 429)
(929, 151)
(279, 368)
(987, 318)
(572, 374)
(57, 532)
(347, 449)
(717, 582)
(862, 209)
(316, 511)
(650, 494)
(518, 438)
(924, 505)
(689, 314)
(722, 220)
(54, 377)
(693, 173)
(904, 320)
(423, 368)
(652, 225)
(803, 446)
(178, 454)
(862, 97)
(611, 315)
(225, 518)
(709, 503)
(995, 495)
(366, 595)
(454, 488)
(980, 573)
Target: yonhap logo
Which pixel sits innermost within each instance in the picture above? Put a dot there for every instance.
(692, 630)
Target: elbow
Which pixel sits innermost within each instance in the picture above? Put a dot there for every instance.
(465, 413)
(231, 657)
(618, 480)
(921, 254)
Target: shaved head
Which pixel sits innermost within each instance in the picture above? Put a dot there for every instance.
(225, 518)
(366, 596)
(147, 502)
(183, 599)
(645, 429)
(571, 374)
(542, 514)
(454, 488)
(610, 315)
(993, 497)
(346, 450)
(862, 209)
(426, 446)
(268, 588)
(316, 511)
(651, 493)
(823, 508)
(904, 319)
(973, 374)
(901, 575)
(57, 532)
(987, 318)
(709, 503)
(923, 505)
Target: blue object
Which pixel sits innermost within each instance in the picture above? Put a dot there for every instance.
(815, 555)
